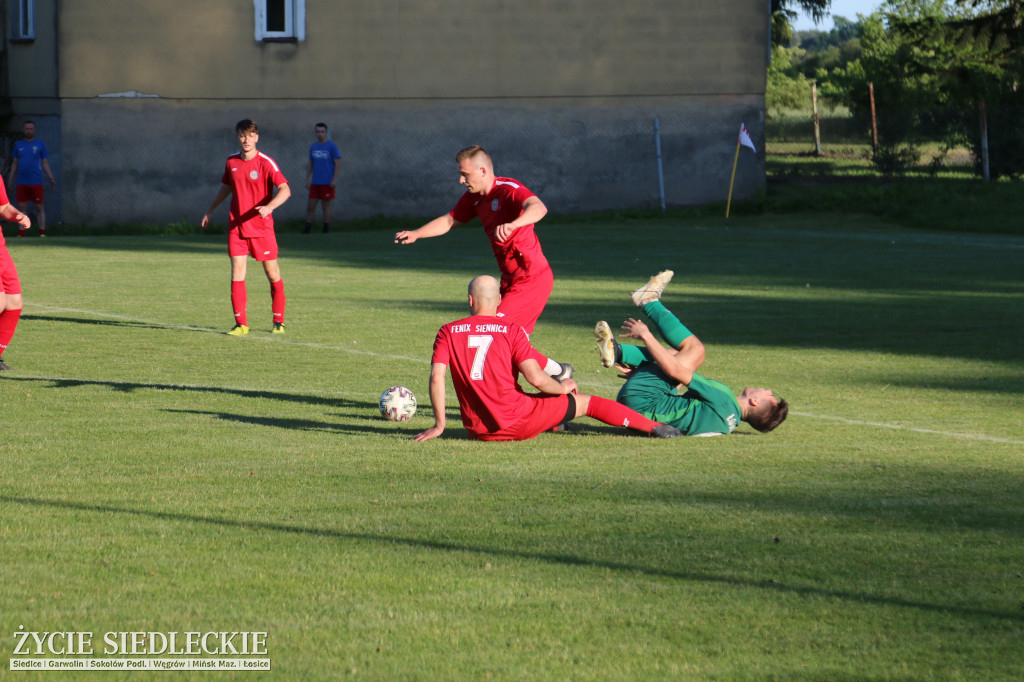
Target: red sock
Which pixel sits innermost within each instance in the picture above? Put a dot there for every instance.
(238, 301)
(8, 323)
(277, 300)
(616, 414)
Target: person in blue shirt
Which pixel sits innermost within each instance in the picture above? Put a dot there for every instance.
(29, 162)
(321, 176)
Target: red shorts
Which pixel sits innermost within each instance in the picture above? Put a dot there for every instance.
(523, 300)
(324, 192)
(9, 283)
(27, 193)
(546, 412)
(260, 248)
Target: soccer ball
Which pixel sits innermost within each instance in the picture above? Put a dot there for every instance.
(398, 404)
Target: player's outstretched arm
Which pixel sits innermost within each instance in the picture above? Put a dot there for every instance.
(8, 212)
(435, 228)
(438, 371)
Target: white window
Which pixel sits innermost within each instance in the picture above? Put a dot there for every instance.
(23, 20)
(280, 19)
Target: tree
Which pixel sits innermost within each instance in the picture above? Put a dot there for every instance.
(783, 14)
(931, 61)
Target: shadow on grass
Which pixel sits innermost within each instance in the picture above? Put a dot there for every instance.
(130, 387)
(306, 424)
(131, 324)
(897, 292)
(547, 557)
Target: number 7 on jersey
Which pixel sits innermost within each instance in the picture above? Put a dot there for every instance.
(481, 344)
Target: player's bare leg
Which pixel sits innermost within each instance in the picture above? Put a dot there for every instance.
(41, 219)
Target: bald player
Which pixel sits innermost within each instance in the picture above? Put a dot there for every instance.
(486, 352)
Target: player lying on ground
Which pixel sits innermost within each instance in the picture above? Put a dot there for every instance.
(486, 352)
(656, 373)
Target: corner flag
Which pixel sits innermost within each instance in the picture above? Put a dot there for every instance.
(743, 141)
(745, 138)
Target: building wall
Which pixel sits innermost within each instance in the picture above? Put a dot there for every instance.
(428, 49)
(562, 94)
(156, 160)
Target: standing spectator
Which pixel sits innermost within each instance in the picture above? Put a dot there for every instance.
(249, 179)
(321, 177)
(29, 163)
(10, 287)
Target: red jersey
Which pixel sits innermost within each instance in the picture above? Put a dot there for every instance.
(484, 353)
(520, 254)
(252, 184)
(3, 201)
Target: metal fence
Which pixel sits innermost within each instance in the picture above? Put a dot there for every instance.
(987, 140)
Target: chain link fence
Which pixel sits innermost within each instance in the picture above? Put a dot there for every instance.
(984, 141)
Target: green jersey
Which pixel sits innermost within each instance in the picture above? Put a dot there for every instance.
(707, 408)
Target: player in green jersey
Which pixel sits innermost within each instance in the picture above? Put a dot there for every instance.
(657, 375)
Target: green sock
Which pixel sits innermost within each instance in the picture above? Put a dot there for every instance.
(634, 356)
(667, 324)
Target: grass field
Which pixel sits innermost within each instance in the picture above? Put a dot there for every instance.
(158, 475)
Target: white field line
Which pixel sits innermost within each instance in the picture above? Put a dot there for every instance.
(901, 427)
(210, 330)
(423, 360)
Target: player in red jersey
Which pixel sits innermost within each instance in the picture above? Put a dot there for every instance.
(485, 351)
(10, 285)
(508, 211)
(250, 177)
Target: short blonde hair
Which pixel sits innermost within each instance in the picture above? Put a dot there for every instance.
(471, 152)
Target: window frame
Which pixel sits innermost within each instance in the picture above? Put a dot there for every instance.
(23, 20)
(295, 22)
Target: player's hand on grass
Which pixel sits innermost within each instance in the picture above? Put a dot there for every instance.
(405, 237)
(433, 432)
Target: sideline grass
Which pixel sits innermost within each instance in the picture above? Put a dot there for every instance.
(160, 476)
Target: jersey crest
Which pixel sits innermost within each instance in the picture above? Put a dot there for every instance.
(494, 205)
(254, 174)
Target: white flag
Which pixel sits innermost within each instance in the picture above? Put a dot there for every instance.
(745, 138)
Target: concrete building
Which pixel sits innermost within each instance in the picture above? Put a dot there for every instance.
(137, 99)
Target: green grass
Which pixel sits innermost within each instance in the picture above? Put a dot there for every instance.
(161, 476)
(943, 196)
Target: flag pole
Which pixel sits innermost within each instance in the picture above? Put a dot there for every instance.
(728, 203)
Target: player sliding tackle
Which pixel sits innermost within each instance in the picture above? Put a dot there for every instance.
(706, 408)
(485, 351)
